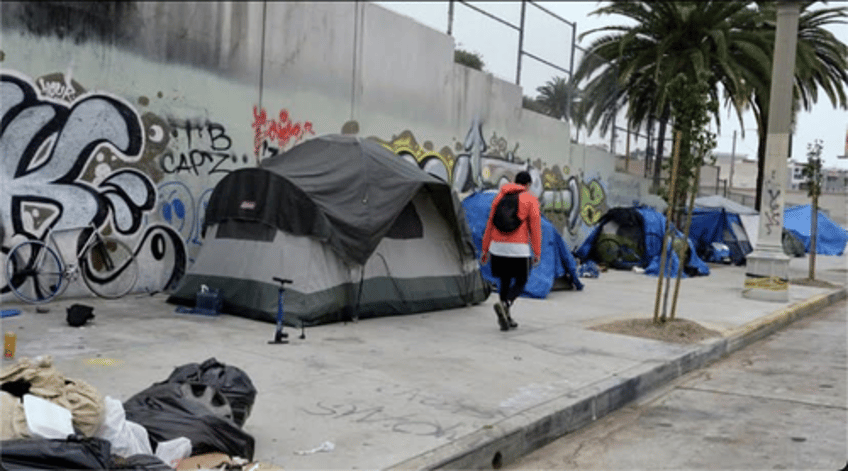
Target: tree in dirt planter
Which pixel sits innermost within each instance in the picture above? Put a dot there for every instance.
(691, 108)
(812, 173)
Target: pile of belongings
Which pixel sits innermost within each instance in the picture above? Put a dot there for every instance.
(192, 418)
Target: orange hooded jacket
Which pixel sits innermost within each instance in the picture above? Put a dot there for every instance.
(530, 231)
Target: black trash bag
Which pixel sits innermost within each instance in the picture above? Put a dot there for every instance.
(38, 454)
(79, 314)
(168, 411)
(139, 463)
(231, 381)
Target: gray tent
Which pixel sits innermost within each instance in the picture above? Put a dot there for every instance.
(361, 232)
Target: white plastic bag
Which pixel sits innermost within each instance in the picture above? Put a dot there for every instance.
(46, 419)
(127, 438)
(172, 451)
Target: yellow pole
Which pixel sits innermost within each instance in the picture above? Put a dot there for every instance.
(674, 160)
(686, 240)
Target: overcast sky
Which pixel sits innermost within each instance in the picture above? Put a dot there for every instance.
(550, 39)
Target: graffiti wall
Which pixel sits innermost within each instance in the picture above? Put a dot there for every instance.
(483, 161)
(72, 159)
(132, 138)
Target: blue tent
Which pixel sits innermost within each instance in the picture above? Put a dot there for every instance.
(830, 238)
(711, 225)
(645, 227)
(556, 263)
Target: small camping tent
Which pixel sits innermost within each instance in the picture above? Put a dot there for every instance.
(629, 237)
(718, 225)
(361, 232)
(556, 267)
(830, 238)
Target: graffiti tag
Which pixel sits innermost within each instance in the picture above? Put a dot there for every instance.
(280, 132)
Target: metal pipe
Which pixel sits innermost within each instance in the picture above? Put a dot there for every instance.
(550, 12)
(507, 23)
(544, 61)
(450, 18)
(520, 43)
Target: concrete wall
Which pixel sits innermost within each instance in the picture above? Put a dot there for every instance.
(127, 114)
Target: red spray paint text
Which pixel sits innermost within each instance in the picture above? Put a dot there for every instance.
(281, 131)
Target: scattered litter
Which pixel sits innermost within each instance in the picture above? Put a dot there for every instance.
(589, 270)
(79, 315)
(127, 438)
(232, 382)
(639, 270)
(212, 460)
(46, 419)
(326, 446)
(42, 309)
(9, 313)
(174, 450)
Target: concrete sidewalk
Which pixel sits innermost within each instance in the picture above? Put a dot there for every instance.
(440, 389)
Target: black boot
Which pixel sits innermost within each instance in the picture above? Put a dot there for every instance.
(500, 310)
(511, 323)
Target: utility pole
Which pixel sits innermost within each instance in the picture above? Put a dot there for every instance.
(767, 276)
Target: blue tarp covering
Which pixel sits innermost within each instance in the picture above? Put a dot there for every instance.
(556, 262)
(716, 225)
(653, 229)
(830, 238)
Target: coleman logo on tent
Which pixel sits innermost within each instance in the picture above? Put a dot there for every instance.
(248, 204)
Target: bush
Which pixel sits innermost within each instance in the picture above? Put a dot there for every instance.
(468, 59)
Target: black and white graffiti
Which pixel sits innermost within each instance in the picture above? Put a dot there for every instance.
(48, 144)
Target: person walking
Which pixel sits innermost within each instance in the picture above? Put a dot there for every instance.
(513, 238)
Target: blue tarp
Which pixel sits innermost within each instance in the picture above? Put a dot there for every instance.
(653, 228)
(830, 238)
(557, 261)
(716, 225)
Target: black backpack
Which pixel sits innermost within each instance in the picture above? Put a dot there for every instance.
(506, 218)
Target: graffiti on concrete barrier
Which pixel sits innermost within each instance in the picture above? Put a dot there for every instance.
(277, 133)
(185, 213)
(59, 87)
(772, 211)
(72, 158)
(479, 163)
(207, 149)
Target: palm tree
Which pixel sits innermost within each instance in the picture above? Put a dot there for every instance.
(561, 99)
(632, 66)
(821, 63)
(732, 41)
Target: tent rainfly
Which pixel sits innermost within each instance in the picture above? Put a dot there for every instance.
(361, 232)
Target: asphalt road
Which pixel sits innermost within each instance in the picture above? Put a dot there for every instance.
(778, 404)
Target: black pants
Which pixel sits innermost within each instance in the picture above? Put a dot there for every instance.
(513, 273)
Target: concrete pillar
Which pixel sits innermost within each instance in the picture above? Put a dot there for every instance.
(767, 274)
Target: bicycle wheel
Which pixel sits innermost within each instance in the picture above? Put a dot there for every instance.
(109, 268)
(34, 272)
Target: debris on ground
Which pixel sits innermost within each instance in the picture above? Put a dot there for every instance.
(191, 420)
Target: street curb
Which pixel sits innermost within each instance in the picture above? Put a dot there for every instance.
(516, 436)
